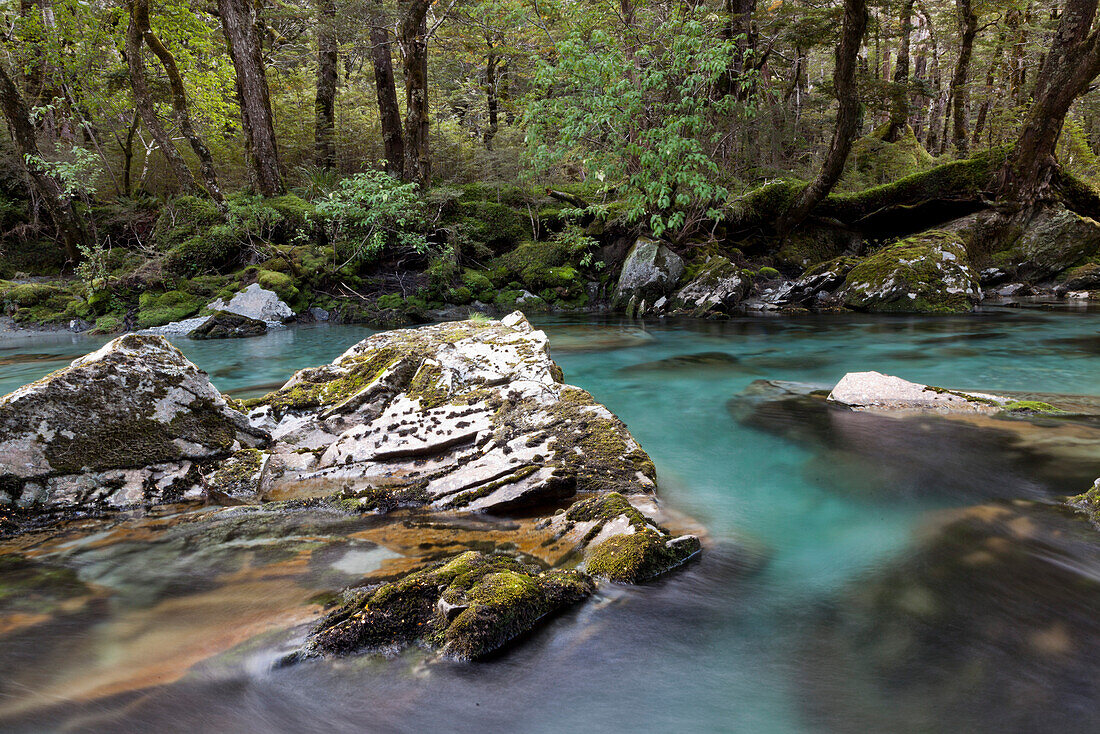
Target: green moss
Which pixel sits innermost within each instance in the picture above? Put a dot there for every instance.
(281, 283)
(237, 475)
(183, 218)
(1088, 502)
(217, 248)
(157, 309)
(540, 265)
(31, 294)
(768, 273)
(108, 324)
(467, 607)
(873, 161)
(427, 386)
(1030, 407)
(42, 303)
(637, 557)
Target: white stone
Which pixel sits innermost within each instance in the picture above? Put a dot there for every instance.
(876, 391)
(256, 303)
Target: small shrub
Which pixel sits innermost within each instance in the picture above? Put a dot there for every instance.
(371, 214)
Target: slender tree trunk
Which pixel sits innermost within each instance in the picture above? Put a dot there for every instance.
(1071, 64)
(414, 52)
(180, 108)
(52, 194)
(325, 103)
(143, 101)
(848, 118)
(128, 154)
(388, 111)
(987, 98)
(960, 92)
(491, 95)
(739, 29)
(899, 92)
(242, 34)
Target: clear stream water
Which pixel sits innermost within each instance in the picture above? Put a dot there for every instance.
(861, 574)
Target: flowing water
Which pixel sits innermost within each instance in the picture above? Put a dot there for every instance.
(861, 573)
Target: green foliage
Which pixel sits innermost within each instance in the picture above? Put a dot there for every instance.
(183, 218)
(77, 172)
(372, 214)
(637, 111)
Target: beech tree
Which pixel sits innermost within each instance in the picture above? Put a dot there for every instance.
(241, 24)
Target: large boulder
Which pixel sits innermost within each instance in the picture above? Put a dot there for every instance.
(717, 290)
(650, 271)
(469, 415)
(258, 303)
(121, 425)
(876, 391)
(1049, 243)
(926, 273)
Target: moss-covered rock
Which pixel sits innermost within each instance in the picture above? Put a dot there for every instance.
(1048, 243)
(650, 272)
(1088, 502)
(157, 309)
(238, 478)
(873, 161)
(716, 290)
(281, 283)
(134, 403)
(467, 608)
(928, 272)
(227, 325)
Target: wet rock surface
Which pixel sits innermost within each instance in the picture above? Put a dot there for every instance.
(228, 325)
(256, 302)
(649, 273)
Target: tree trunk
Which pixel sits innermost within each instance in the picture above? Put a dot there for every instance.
(414, 52)
(960, 92)
(128, 154)
(388, 111)
(899, 92)
(57, 203)
(181, 110)
(739, 30)
(987, 98)
(848, 118)
(325, 103)
(242, 34)
(491, 95)
(143, 101)
(1071, 64)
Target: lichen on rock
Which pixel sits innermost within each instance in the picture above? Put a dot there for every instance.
(928, 272)
(135, 405)
(465, 415)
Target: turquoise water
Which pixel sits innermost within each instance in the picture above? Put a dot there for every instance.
(803, 510)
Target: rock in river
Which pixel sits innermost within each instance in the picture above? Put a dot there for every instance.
(470, 415)
(119, 426)
(228, 325)
(876, 391)
(651, 271)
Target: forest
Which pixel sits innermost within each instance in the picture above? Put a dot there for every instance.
(381, 160)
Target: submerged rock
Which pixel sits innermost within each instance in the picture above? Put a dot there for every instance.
(689, 363)
(876, 391)
(651, 271)
(256, 302)
(471, 415)
(993, 616)
(227, 325)
(928, 272)
(467, 608)
(119, 426)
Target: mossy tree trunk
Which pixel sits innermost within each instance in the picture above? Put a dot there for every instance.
(325, 102)
(848, 118)
(414, 53)
(389, 113)
(240, 23)
(50, 191)
(1071, 64)
(491, 101)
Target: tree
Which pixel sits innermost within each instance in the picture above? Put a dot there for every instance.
(1070, 65)
(240, 22)
(899, 92)
(388, 111)
(848, 118)
(325, 101)
(49, 189)
(960, 93)
(140, 30)
(414, 53)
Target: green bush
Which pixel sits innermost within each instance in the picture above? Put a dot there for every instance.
(371, 214)
(219, 247)
(183, 218)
